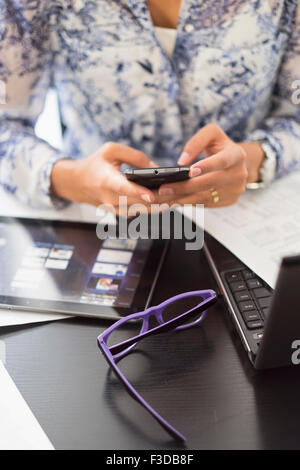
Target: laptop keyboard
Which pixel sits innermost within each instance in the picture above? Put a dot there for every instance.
(252, 297)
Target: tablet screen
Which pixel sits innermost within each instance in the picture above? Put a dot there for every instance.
(59, 261)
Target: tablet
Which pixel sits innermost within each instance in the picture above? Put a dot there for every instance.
(55, 266)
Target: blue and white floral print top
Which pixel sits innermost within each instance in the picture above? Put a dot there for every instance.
(234, 63)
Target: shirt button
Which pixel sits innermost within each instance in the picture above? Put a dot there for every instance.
(189, 28)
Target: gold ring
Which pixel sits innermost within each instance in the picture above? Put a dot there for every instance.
(215, 195)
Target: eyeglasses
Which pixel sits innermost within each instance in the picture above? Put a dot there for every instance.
(116, 352)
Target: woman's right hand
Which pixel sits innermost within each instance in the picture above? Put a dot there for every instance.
(97, 179)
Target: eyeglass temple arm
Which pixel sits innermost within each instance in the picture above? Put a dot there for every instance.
(170, 325)
(173, 432)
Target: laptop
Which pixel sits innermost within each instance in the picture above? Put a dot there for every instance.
(266, 320)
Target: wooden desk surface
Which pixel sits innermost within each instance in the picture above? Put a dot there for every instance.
(200, 380)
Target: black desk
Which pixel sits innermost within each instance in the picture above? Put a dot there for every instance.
(200, 380)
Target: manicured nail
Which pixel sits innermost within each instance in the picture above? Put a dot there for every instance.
(184, 159)
(166, 192)
(195, 172)
(146, 198)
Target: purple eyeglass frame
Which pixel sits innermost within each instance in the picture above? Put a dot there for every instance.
(120, 350)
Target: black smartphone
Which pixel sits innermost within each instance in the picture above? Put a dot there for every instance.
(152, 178)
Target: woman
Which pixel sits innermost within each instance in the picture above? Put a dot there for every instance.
(144, 81)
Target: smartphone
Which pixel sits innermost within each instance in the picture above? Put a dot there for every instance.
(152, 178)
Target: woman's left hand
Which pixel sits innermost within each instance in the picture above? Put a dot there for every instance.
(220, 179)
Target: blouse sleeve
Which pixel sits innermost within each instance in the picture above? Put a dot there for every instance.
(281, 128)
(26, 56)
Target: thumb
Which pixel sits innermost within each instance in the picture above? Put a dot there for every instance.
(204, 137)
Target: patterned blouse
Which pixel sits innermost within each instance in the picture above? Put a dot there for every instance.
(234, 64)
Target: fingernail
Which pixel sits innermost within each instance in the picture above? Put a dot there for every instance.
(146, 197)
(195, 172)
(165, 191)
(152, 164)
(184, 158)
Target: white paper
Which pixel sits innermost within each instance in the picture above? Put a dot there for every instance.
(19, 429)
(262, 227)
(10, 207)
(9, 318)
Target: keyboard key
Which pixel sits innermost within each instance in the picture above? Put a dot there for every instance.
(237, 286)
(235, 276)
(265, 303)
(265, 312)
(251, 316)
(248, 274)
(242, 296)
(245, 306)
(252, 325)
(257, 336)
(261, 292)
(253, 283)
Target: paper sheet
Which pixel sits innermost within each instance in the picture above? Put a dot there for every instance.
(10, 207)
(8, 318)
(19, 429)
(262, 227)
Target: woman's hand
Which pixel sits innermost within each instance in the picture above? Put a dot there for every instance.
(97, 179)
(227, 168)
